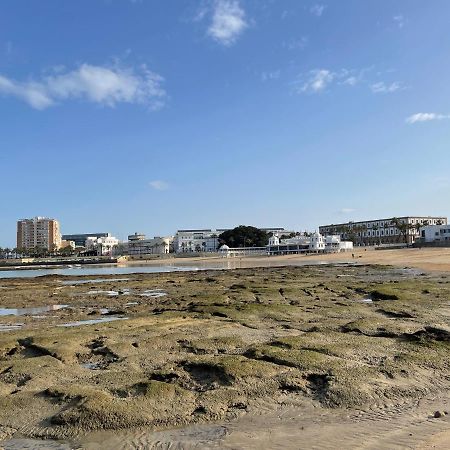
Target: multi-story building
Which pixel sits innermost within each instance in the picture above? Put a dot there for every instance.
(80, 239)
(189, 241)
(307, 243)
(39, 232)
(139, 245)
(103, 246)
(400, 230)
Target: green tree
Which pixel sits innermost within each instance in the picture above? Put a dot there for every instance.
(244, 236)
(403, 227)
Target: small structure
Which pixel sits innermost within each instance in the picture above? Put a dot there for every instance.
(230, 252)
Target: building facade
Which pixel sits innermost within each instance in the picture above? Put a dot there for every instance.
(435, 234)
(39, 232)
(207, 240)
(80, 239)
(103, 246)
(139, 245)
(308, 243)
(392, 231)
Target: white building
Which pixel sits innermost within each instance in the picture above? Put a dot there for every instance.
(139, 245)
(104, 246)
(391, 231)
(207, 240)
(195, 241)
(435, 233)
(314, 243)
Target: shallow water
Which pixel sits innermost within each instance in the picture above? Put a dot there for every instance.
(217, 264)
(79, 323)
(96, 280)
(89, 270)
(30, 311)
(13, 327)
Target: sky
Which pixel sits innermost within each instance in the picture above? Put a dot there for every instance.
(150, 116)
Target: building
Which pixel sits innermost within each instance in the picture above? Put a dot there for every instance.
(80, 239)
(39, 232)
(308, 243)
(202, 240)
(139, 245)
(102, 246)
(207, 240)
(438, 234)
(401, 230)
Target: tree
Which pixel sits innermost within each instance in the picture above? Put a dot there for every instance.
(244, 236)
(403, 227)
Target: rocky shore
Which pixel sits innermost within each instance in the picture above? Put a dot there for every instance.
(179, 349)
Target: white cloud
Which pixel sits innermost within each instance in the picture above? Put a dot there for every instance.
(317, 9)
(346, 210)
(426, 117)
(318, 81)
(159, 185)
(228, 22)
(383, 88)
(107, 86)
(35, 94)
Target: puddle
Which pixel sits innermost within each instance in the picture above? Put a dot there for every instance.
(30, 311)
(16, 326)
(91, 321)
(108, 293)
(154, 293)
(91, 366)
(97, 280)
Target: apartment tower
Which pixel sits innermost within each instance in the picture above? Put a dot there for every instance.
(39, 232)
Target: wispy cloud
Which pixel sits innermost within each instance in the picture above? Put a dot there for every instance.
(385, 88)
(317, 81)
(317, 9)
(267, 76)
(106, 86)
(426, 117)
(159, 185)
(296, 44)
(346, 210)
(399, 20)
(228, 22)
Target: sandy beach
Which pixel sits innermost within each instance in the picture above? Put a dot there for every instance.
(427, 259)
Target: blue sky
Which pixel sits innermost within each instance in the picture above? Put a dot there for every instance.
(124, 116)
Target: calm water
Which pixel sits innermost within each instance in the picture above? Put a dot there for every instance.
(30, 311)
(231, 263)
(89, 270)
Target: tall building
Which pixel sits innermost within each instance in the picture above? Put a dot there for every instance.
(39, 232)
(402, 230)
